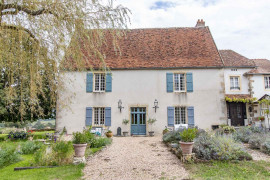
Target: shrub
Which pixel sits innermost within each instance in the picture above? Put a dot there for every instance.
(3, 137)
(173, 136)
(256, 129)
(8, 155)
(79, 138)
(99, 142)
(266, 147)
(89, 136)
(61, 154)
(208, 147)
(256, 141)
(18, 135)
(242, 134)
(29, 147)
(188, 135)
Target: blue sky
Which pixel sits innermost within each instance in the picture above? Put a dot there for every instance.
(240, 25)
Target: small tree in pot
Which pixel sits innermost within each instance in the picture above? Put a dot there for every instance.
(151, 122)
(109, 134)
(187, 137)
(125, 122)
(79, 143)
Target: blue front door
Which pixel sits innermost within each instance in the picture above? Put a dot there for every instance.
(138, 121)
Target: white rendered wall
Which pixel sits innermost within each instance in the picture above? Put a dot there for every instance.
(141, 88)
(243, 80)
(258, 86)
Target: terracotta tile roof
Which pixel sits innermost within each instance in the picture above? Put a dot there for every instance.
(262, 66)
(238, 96)
(233, 59)
(162, 48)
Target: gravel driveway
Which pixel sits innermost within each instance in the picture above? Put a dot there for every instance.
(130, 158)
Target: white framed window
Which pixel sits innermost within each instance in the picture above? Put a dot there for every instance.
(234, 83)
(180, 115)
(99, 82)
(267, 82)
(99, 116)
(179, 82)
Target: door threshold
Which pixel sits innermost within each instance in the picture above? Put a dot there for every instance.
(139, 136)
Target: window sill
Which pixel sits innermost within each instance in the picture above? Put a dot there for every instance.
(179, 92)
(99, 91)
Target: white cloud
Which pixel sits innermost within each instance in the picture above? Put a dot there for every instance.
(240, 25)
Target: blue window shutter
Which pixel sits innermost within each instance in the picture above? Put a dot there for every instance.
(88, 120)
(190, 112)
(189, 82)
(108, 82)
(89, 82)
(170, 116)
(108, 116)
(169, 77)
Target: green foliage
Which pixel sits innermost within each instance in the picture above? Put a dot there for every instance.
(243, 100)
(100, 142)
(173, 136)
(242, 134)
(61, 154)
(125, 121)
(151, 121)
(30, 147)
(209, 147)
(29, 76)
(79, 138)
(3, 137)
(266, 146)
(256, 140)
(18, 135)
(188, 135)
(8, 155)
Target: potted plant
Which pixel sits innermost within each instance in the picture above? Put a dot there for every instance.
(109, 134)
(79, 143)
(187, 137)
(125, 122)
(151, 122)
(165, 130)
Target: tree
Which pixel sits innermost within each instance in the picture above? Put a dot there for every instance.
(34, 36)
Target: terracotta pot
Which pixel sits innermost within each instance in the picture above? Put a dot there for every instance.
(151, 133)
(79, 149)
(125, 134)
(109, 135)
(186, 147)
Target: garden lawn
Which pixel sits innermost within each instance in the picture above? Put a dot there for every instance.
(230, 170)
(63, 172)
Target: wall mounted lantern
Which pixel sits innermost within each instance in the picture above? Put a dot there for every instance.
(155, 105)
(120, 105)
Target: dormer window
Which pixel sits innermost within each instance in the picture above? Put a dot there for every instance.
(235, 83)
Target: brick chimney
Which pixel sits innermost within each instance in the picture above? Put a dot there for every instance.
(200, 23)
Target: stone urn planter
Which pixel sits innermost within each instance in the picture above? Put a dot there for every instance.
(79, 143)
(109, 134)
(186, 147)
(187, 137)
(79, 149)
(151, 133)
(125, 133)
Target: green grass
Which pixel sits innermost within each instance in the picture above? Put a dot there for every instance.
(230, 170)
(63, 172)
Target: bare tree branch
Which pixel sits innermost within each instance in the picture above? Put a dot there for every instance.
(12, 27)
(26, 10)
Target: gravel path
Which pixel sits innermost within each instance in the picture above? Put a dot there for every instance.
(257, 155)
(132, 158)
